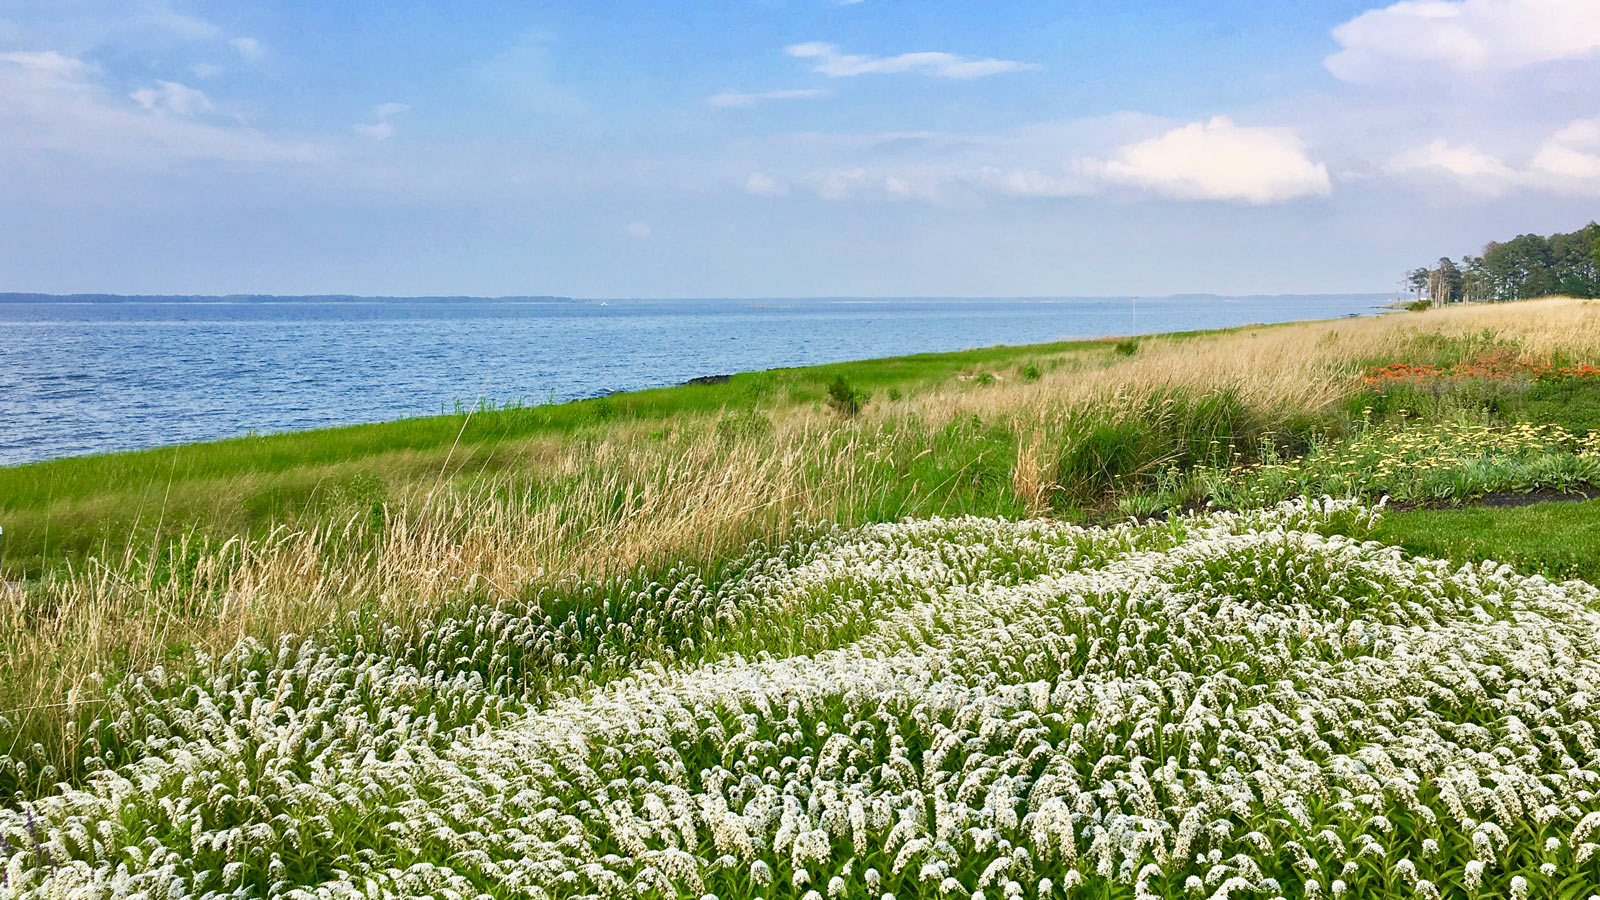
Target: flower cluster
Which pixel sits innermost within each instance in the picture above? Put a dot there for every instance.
(1415, 463)
(1220, 705)
(1488, 367)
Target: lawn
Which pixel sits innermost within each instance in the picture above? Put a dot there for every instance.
(1557, 539)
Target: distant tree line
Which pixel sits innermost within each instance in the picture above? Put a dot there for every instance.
(1528, 265)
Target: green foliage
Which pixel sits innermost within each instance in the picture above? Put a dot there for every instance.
(1529, 265)
(846, 399)
(363, 493)
(744, 424)
(61, 512)
(1107, 455)
(1126, 348)
(757, 387)
(1422, 462)
(1030, 372)
(1171, 431)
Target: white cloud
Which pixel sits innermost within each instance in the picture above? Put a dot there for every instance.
(1468, 165)
(378, 131)
(172, 97)
(1034, 183)
(1570, 159)
(763, 185)
(839, 183)
(1124, 154)
(639, 230)
(1464, 36)
(1216, 160)
(53, 106)
(248, 47)
(49, 64)
(1567, 162)
(163, 17)
(205, 70)
(382, 128)
(834, 64)
(741, 99)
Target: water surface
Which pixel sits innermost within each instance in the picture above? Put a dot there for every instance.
(93, 375)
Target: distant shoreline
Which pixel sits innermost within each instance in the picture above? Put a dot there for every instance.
(30, 297)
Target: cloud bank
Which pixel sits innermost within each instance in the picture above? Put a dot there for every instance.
(1566, 162)
(1464, 36)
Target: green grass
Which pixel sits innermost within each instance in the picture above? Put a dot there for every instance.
(65, 510)
(1558, 540)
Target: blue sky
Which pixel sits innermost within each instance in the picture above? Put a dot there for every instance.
(784, 147)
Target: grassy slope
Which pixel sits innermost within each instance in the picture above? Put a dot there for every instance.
(66, 509)
(654, 479)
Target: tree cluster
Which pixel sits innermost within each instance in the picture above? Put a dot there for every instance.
(1528, 265)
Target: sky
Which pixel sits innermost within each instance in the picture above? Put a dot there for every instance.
(784, 148)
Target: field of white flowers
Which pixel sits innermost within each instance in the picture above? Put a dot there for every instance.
(1221, 705)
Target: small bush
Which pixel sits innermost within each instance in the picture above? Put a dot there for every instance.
(845, 399)
(1107, 456)
(1126, 348)
(1419, 305)
(1030, 372)
(985, 378)
(894, 393)
(744, 424)
(363, 493)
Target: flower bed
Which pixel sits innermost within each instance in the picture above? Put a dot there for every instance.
(1227, 705)
(1406, 462)
(1502, 367)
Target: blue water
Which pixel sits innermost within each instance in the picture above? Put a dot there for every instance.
(89, 376)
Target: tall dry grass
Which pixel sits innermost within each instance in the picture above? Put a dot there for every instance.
(1287, 369)
(603, 505)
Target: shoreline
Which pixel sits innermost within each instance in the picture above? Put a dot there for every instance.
(489, 405)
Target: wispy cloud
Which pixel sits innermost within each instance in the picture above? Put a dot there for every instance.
(831, 62)
(381, 128)
(1215, 160)
(761, 184)
(1566, 162)
(1470, 167)
(173, 98)
(248, 47)
(378, 131)
(740, 99)
(1464, 36)
(54, 106)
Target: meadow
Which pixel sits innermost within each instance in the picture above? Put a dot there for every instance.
(1063, 620)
